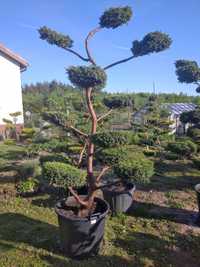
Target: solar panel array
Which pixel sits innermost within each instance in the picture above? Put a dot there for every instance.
(178, 108)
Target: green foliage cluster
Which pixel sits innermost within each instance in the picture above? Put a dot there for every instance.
(55, 38)
(118, 101)
(115, 17)
(194, 133)
(87, 76)
(114, 138)
(27, 186)
(28, 169)
(54, 157)
(183, 148)
(153, 42)
(112, 156)
(9, 142)
(63, 174)
(196, 162)
(187, 71)
(135, 168)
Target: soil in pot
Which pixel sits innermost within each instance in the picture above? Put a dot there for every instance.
(119, 196)
(81, 235)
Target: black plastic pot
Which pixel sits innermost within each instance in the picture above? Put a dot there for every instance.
(197, 189)
(119, 201)
(81, 237)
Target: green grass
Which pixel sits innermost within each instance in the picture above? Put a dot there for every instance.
(154, 233)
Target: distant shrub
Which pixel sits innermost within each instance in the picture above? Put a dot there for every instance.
(181, 148)
(150, 153)
(28, 169)
(54, 157)
(30, 185)
(112, 156)
(63, 174)
(9, 142)
(135, 168)
(27, 133)
(196, 162)
(171, 156)
(114, 138)
(194, 133)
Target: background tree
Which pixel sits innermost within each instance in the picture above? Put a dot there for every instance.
(92, 78)
(188, 71)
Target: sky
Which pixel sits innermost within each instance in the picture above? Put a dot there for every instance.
(20, 19)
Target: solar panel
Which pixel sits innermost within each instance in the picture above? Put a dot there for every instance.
(179, 108)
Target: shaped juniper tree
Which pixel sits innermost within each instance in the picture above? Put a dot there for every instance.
(188, 71)
(92, 78)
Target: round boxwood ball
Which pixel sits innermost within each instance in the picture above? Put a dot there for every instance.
(115, 17)
(87, 76)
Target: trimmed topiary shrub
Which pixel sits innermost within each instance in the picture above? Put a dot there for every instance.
(112, 156)
(171, 156)
(153, 42)
(55, 38)
(113, 139)
(196, 162)
(9, 142)
(182, 148)
(194, 133)
(135, 168)
(115, 17)
(54, 157)
(63, 174)
(87, 76)
(30, 168)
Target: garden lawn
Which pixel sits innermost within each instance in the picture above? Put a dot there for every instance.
(158, 230)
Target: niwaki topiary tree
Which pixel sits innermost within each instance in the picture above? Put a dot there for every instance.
(92, 78)
(188, 71)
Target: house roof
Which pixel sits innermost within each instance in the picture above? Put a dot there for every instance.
(179, 108)
(18, 59)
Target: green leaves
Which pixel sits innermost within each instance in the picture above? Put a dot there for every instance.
(135, 168)
(55, 38)
(63, 174)
(115, 17)
(187, 71)
(114, 139)
(87, 76)
(153, 42)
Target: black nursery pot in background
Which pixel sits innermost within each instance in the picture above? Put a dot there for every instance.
(119, 201)
(197, 189)
(81, 237)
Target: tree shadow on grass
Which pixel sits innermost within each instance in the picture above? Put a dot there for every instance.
(168, 183)
(151, 250)
(17, 229)
(150, 210)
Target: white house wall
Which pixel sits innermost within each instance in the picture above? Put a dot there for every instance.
(10, 89)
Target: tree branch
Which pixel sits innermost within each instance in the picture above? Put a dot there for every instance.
(102, 173)
(89, 36)
(77, 130)
(81, 154)
(77, 54)
(76, 196)
(108, 185)
(105, 115)
(119, 62)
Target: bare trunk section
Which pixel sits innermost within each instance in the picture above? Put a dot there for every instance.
(90, 172)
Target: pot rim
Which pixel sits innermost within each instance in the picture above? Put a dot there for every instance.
(85, 219)
(197, 188)
(126, 191)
